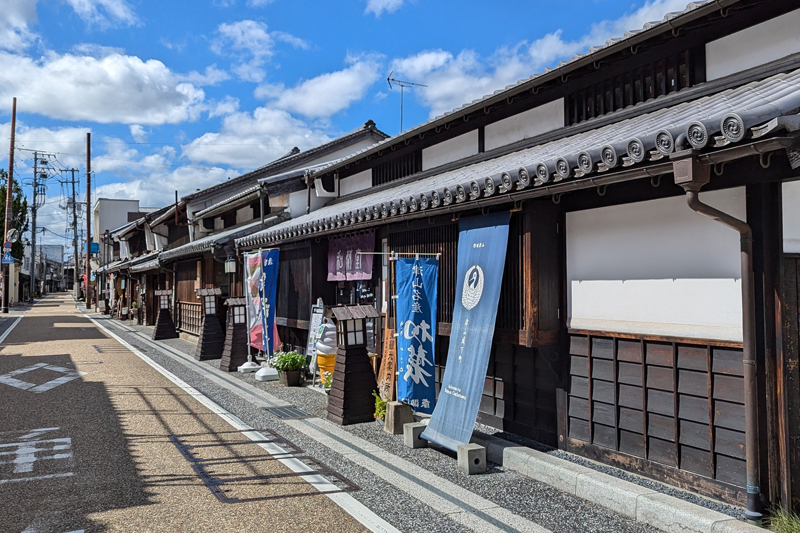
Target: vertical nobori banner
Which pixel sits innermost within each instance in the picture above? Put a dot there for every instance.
(482, 243)
(252, 291)
(416, 290)
(268, 292)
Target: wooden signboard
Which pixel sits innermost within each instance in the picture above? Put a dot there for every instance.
(387, 378)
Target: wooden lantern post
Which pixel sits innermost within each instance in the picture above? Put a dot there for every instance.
(212, 338)
(165, 326)
(351, 400)
(234, 354)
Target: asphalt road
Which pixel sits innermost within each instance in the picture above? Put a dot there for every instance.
(93, 438)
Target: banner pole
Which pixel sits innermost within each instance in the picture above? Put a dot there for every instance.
(246, 293)
(393, 308)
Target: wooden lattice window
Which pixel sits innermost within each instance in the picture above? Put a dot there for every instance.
(655, 78)
(396, 168)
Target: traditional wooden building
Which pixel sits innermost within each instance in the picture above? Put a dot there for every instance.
(648, 313)
(189, 245)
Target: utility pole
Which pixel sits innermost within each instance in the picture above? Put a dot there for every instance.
(9, 204)
(88, 217)
(34, 208)
(76, 287)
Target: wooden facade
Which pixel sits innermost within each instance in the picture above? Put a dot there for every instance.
(671, 406)
(788, 367)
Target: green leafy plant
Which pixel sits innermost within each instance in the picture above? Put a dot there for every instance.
(783, 521)
(287, 361)
(380, 406)
(327, 379)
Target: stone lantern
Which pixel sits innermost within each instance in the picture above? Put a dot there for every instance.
(165, 326)
(234, 352)
(351, 400)
(212, 338)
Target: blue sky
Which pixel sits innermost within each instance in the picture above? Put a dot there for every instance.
(182, 94)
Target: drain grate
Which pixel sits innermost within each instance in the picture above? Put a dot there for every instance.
(109, 349)
(287, 413)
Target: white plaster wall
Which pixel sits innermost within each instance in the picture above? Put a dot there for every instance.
(756, 45)
(541, 119)
(244, 214)
(356, 182)
(450, 150)
(791, 217)
(297, 203)
(110, 214)
(657, 268)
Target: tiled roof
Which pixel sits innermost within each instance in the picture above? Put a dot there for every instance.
(209, 242)
(671, 20)
(290, 159)
(715, 121)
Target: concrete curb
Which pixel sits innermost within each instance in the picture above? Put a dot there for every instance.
(656, 509)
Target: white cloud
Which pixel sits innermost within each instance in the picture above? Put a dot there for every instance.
(226, 106)
(250, 140)
(156, 187)
(454, 80)
(211, 76)
(68, 143)
(327, 94)
(104, 13)
(259, 3)
(15, 18)
(252, 43)
(379, 6)
(97, 50)
(291, 40)
(112, 89)
(138, 133)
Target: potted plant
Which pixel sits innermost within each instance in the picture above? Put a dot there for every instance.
(380, 408)
(290, 367)
(327, 381)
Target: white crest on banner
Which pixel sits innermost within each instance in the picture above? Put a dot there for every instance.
(473, 287)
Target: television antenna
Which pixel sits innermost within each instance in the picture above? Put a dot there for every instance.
(402, 84)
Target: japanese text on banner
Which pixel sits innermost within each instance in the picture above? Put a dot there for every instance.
(416, 289)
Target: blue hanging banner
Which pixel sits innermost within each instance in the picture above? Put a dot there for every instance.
(416, 289)
(268, 292)
(482, 245)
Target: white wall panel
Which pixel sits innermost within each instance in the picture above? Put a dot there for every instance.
(656, 267)
(541, 119)
(756, 45)
(450, 150)
(791, 217)
(355, 183)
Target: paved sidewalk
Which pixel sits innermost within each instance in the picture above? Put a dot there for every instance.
(93, 438)
(426, 491)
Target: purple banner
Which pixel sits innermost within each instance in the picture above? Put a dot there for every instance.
(344, 261)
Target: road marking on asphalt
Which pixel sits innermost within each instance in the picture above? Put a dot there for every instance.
(36, 527)
(69, 374)
(7, 331)
(466, 507)
(28, 448)
(353, 507)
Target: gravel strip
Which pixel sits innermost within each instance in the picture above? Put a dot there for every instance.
(714, 505)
